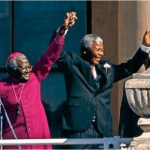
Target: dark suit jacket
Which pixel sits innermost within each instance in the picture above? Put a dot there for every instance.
(85, 98)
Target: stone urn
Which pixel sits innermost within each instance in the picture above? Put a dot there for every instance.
(138, 96)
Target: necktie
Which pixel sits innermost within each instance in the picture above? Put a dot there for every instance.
(93, 71)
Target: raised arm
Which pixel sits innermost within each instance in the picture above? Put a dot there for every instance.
(52, 53)
(133, 65)
(69, 21)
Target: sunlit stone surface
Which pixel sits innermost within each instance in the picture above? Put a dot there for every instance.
(138, 95)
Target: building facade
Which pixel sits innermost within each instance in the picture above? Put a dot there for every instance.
(27, 27)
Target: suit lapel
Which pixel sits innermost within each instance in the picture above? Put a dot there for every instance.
(101, 71)
(88, 78)
(86, 72)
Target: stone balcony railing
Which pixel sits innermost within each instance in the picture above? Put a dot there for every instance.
(138, 96)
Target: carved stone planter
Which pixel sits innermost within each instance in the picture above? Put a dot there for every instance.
(138, 95)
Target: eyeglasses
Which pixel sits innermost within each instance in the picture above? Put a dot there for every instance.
(25, 68)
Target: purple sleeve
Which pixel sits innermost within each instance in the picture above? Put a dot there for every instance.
(50, 56)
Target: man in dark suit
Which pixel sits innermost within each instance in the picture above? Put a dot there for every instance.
(89, 81)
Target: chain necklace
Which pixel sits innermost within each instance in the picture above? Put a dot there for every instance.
(17, 98)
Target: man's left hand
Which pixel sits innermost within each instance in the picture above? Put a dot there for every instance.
(146, 39)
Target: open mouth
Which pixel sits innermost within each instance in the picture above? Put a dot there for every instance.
(26, 75)
(97, 58)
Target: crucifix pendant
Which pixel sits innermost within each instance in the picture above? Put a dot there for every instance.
(17, 109)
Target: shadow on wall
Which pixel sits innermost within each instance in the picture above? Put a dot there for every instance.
(128, 127)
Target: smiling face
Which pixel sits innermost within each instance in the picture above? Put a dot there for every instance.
(96, 52)
(24, 68)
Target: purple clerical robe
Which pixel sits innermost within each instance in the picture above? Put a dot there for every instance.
(31, 123)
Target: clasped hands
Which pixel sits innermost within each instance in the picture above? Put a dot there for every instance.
(69, 20)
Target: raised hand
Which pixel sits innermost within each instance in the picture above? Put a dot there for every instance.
(146, 39)
(69, 20)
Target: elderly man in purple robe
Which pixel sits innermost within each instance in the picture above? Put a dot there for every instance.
(20, 91)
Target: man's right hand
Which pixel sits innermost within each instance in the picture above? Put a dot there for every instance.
(69, 20)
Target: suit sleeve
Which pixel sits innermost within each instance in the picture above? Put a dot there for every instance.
(64, 62)
(50, 56)
(131, 66)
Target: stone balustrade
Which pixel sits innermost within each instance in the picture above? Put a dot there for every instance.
(138, 96)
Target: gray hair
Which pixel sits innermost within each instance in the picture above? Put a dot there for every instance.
(87, 41)
(12, 64)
